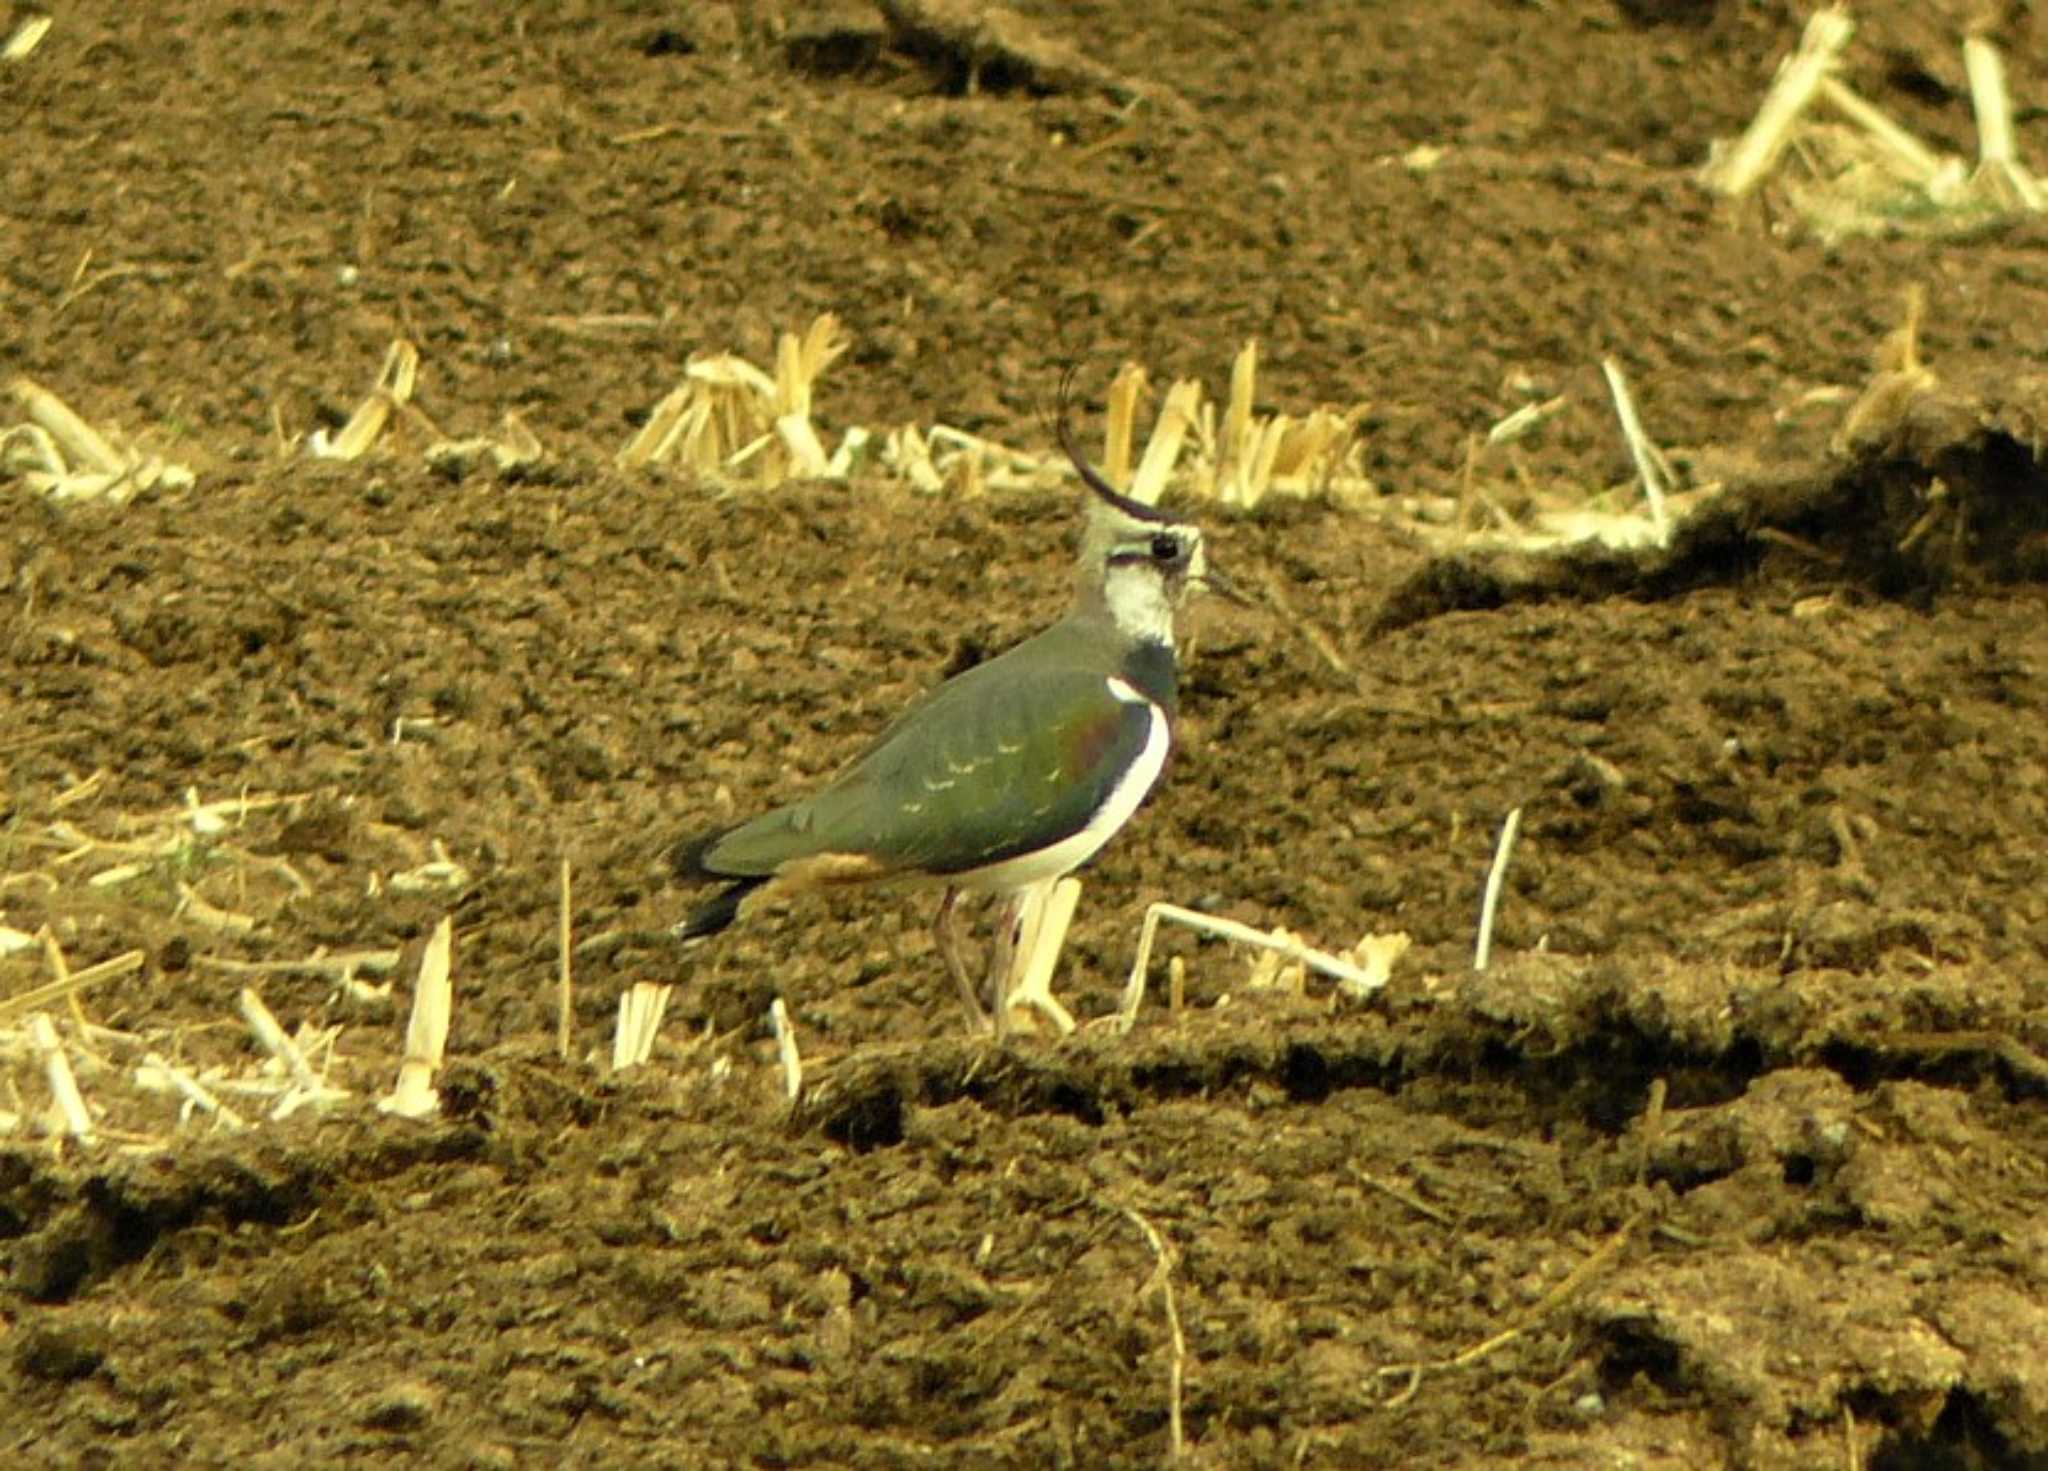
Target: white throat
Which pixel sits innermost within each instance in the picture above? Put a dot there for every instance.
(1137, 601)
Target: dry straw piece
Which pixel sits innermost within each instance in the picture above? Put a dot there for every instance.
(1177, 1343)
(641, 1008)
(1520, 515)
(157, 1076)
(785, 1047)
(426, 1032)
(1496, 878)
(1238, 458)
(183, 850)
(69, 1102)
(27, 36)
(67, 987)
(1737, 169)
(1248, 457)
(513, 446)
(1868, 174)
(728, 420)
(565, 976)
(392, 391)
(58, 454)
(1361, 973)
(2001, 179)
(303, 1087)
(1651, 467)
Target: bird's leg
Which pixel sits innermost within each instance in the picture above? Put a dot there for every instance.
(947, 932)
(1003, 958)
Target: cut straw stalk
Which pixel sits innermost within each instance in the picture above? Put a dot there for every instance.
(666, 425)
(1914, 159)
(74, 461)
(1999, 171)
(1177, 414)
(800, 361)
(396, 379)
(426, 1032)
(63, 1083)
(1525, 421)
(1989, 99)
(641, 1007)
(342, 967)
(1121, 418)
(1740, 168)
(565, 992)
(1237, 415)
(208, 818)
(85, 448)
(303, 1084)
(1496, 876)
(785, 1047)
(27, 36)
(727, 414)
(1247, 447)
(807, 458)
(60, 975)
(1650, 463)
(512, 445)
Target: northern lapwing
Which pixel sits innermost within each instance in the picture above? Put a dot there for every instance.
(1008, 775)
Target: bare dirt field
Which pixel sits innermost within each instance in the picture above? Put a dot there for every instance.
(1737, 1155)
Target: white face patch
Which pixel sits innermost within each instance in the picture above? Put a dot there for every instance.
(1138, 601)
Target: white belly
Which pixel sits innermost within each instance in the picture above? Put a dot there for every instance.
(1070, 853)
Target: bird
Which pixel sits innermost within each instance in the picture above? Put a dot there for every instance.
(1007, 776)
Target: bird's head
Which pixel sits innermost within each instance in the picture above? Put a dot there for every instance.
(1138, 562)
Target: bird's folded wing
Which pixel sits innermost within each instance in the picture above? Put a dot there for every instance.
(969, 782)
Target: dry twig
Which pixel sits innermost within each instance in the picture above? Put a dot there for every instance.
(1176, 1374)
(1552, 1300)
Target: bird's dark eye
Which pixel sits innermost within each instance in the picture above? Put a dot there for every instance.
(1165, 548)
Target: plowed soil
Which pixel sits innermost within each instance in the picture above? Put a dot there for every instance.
(1735, 1156)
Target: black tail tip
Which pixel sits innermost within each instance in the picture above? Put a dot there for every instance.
(718, 914)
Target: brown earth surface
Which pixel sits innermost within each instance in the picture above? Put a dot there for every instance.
(1736, 1156)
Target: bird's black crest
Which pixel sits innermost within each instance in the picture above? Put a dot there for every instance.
(1090, 476)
